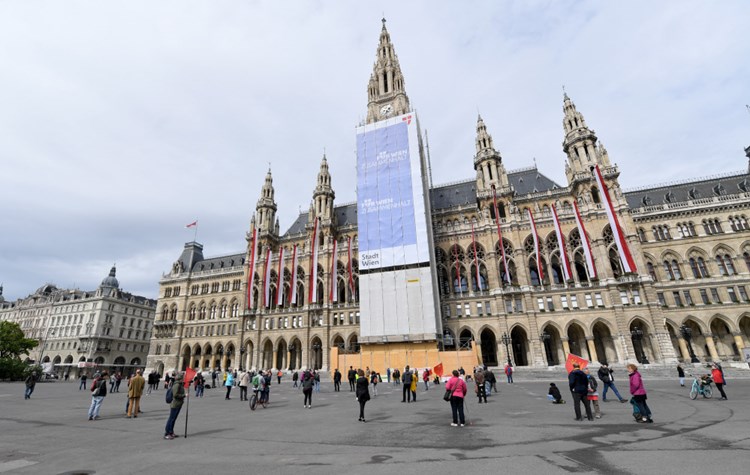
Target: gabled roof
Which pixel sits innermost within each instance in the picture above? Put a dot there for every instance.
(727, 184)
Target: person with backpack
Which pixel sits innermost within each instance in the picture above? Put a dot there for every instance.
(456, 389)
(244, 383)
(593, 395)
(175, 397)
(509, 372)
(308, 382)
(98, 393)
(374, 377)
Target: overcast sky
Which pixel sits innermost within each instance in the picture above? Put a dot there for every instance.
(120, 122)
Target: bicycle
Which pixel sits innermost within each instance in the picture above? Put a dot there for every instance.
(701, 386)
(255, 400)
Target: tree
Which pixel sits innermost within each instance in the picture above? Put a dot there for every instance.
(13, 344)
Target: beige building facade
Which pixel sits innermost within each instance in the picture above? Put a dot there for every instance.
(83, 331)
(690, 243)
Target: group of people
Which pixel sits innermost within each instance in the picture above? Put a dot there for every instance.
(584, 390)
(716, 376)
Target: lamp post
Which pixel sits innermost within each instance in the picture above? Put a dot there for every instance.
(545, 337)
(637, 334)
(242, 356)
(507, 341)
(316, 347)
(229, 355)
(687, 334)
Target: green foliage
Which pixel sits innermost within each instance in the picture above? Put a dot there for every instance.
(13, 344)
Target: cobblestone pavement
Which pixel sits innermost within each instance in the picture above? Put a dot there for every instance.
(518, 431)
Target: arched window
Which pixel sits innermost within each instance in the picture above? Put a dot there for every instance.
(694, 268)
(668, 270)
(642, 235)
(460, 284)
(191, 313)
(651, 271)
(202, 312)
(725, 265)
(676, 270)
(729, 264)
(223, 313)
(746, 255)
(213, 311)
(482, 284)
(595, 195)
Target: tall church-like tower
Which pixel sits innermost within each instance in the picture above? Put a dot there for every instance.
(386, 96)
(489, 165)
(265, 210)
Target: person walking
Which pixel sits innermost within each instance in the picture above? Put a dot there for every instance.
(308, 381)
(316, 381)
(112, 382)
(178, 397)
(718, 376)
(228, 382)
(489, 376)
(374, 376)
(352, 377)
(579, 388)
(480, 388)
(279, 374)
(295, 378)
(363, 393)
(593, 395)
(388, 375)
(457, 388)
(82, 384)
(606, 375)
(30, 385)
(509, 372)
(118, 380)
(244, 383)
(681, 375)
(135, 391)
(98, 392)
(638, 391)
(337, 380)
(406, 379)
(213, 378)
(426, 379)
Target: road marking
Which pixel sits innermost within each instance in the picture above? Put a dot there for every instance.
(5, 395)
(15, 464)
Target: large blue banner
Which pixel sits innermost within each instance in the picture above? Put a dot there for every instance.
(385, 207)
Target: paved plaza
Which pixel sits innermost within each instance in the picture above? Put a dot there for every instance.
(518, 431)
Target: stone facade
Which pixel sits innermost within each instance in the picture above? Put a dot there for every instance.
(511, 313)
(79, 330)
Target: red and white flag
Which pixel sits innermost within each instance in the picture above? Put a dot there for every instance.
(280, 279)
(561, 243)
(267, 280)
(477, 275)
(537, 249)
(251, 267)
(313, 287)
(626, 257)
(333, 277)
(350, 268)
(293, 283)
(193, 224)
(506, 275)
(591, 267)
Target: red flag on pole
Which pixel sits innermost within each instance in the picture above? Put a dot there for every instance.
(267, 280)
(477, 275)
(628, 264)
(194, 223)
(586, 246)
(333, 276)
(537, 248)
(251, 268)
(280, 279)
(349, 270)
(293, 283)
(313, 287)
(561, 244)
(575, 359)
(438, 369)
(189, 376)
(506, 272)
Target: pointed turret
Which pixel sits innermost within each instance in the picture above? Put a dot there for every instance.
(580, 144)
(324, 195)
(266, 207)
(386, 96)
(489, 164)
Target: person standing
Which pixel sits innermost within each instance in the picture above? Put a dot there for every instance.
(413, 387)
(681, 375)
(426, 379)
(406, 379)
(336, 380)
(718, 376)
(509, 372)
(244, 383)
(228, 382)
(489, 376)
(579, 389)
(457, 388)
(308, 381)
(480, 388)
(112, 382)
(295, 378)
(388, 375)
(135, 391)
(352, 376)
(213, 378)
(82, 385)
(118, 380)
(31, 383)
(316, 381)
(98, 392)
(178, 397)
(374, 376)
(200, 384)
(279, 374)
(363, 394)
(606, 375)
(638, 390)
(396, 377)
(593, 396)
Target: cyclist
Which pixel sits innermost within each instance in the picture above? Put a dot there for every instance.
(259, 385)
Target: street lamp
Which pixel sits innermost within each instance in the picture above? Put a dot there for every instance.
(315, 347)
(687, 334)
(507, 341)
(545, 337)
(242, 356)
(637, 334)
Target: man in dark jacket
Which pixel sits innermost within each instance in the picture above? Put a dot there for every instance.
(178, 397)
(352, 376)
(337, 380)
(579, 388)
(30, 384)
(406, 379)
(606, 376)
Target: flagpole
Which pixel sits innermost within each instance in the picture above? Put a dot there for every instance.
(187, 409)
(195, 233)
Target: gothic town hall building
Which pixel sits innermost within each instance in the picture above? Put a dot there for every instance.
(688, 298)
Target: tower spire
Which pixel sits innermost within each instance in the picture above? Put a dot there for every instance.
(266, 207)
(386, 96)
(488, 163)
(324, 195)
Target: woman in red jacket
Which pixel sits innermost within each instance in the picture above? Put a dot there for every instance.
(457, 387)
(718, 376)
